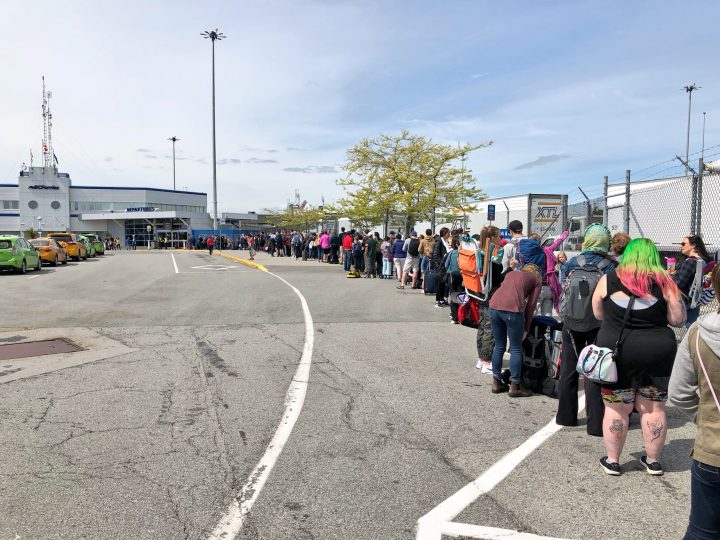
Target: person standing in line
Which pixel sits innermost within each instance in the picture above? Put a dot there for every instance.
(211, 244)
(427, 244)
(378, 255)
(370, 250)
(358, 254)
(347, 243)
(511, 313)
(454, 276)
(592, 260)
(411, 247)
(695, 390)
(398, 255)
(386, 258)
(325, 246)
(334, 248)
(618, 243)
(693, 248)
(636, 303)
(437, 265)
(485, 341)
(510, 249)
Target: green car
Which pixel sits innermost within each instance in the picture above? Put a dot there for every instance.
(97, 243)
(88, 245)
(18, 254)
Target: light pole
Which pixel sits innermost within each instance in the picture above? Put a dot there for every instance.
(689, 89)
(213, 36)
(174, 140)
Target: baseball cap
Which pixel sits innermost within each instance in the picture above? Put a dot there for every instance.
(515, 226)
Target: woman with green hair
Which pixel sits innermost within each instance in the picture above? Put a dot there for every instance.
(636, 303)
(594, 258)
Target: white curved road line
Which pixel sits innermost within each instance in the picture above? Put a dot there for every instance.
(231, 523)
(434, 524)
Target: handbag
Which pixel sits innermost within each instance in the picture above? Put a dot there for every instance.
(599, 364)
(702, 365)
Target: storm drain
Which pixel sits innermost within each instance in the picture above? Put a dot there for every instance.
(12, 351)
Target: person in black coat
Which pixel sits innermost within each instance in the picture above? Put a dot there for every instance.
(442, 240)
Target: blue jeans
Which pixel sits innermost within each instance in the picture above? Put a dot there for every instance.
(424, 263)
(704, 502)
(347, 259)
(507, 324)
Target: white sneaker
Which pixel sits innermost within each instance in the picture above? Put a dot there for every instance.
(486, 369)
(479, 364)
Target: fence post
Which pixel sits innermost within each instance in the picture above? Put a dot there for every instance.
(693, 204)
(698, 212)
(626, 208)
(605, 201)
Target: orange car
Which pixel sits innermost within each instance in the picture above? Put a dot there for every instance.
(73, 245)
(51, 250)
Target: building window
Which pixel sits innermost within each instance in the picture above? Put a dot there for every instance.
(32, 205)
(10, 205)
(55, 205)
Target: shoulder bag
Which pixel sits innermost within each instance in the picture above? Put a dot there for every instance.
(599, 364)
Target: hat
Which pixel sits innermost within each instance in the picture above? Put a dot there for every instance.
(515, 226)
(413, 233)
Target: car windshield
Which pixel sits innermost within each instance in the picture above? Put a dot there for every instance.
(64, 238)
(5, 244)
(40, 242)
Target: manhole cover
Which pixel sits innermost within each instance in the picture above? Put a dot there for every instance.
(12, 351)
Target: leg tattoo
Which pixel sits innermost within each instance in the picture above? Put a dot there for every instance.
(656, 429)
(617, 429)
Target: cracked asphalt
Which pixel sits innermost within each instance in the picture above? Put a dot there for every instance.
(155, 442)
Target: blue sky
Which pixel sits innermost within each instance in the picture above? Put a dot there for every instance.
(568, 91)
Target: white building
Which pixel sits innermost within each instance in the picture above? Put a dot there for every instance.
(45, 200)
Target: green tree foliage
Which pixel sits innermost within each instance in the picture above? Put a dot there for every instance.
(296, 219)
(30, 233)
(409, 177)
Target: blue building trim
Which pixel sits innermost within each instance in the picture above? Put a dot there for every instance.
(75, 215)
(9, 185)
(140, 189)
(9, 215)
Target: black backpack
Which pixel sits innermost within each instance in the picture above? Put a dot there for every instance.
(413, 246)
(576, 303)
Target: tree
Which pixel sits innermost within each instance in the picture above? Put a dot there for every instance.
(31, 233)
(408, 176)
(297, 219)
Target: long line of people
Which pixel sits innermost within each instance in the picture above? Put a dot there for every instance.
(616, 294)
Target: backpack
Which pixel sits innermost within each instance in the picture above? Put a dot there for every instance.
(696, 289)
(530, 251)
(576, 303)
(453, 268)
(469, 313)
(708, 292)
(413, 246)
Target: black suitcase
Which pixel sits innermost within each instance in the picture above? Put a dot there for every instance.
(431, 282)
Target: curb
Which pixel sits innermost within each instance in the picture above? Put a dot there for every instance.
(243, 261)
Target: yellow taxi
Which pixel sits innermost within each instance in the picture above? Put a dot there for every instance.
(75, 248)
(51, 250)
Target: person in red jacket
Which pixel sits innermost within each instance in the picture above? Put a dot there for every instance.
(211, 244)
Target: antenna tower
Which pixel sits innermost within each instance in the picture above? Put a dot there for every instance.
(47, 148)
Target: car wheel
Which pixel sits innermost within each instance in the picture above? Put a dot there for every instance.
(85, 257)
(65, 260)
(23, 267)
(55, 261)
(39, 265)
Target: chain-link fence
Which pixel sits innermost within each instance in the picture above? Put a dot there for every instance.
(663, 209)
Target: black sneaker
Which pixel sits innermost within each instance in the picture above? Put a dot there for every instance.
(613, 469)
(654, 469)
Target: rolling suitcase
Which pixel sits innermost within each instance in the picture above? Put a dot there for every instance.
(431, 282)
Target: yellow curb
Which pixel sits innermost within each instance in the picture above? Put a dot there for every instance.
(243, 261)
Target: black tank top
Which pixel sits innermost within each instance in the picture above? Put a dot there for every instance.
(646, 313)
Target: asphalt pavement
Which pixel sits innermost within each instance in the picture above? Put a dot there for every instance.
(155, 432)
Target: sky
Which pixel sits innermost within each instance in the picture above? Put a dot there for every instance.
(568, 91)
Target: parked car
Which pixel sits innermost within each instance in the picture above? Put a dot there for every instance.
(18, 254)
(51, 251)
(89, 246)
(76, 249)
(97, 243)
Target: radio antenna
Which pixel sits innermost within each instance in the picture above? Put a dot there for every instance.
(47, 148)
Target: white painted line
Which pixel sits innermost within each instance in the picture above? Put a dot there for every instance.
(466, 530)
(175, 263)
(230, 525)
(33, 277)
(430, 526)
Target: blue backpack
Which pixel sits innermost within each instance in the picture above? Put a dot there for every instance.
(530, 251)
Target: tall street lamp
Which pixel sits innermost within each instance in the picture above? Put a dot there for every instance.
(174, 140)
(689, 89)
(213, 36)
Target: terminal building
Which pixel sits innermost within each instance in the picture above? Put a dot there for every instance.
(46, 200)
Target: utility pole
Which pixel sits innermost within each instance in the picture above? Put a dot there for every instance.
(702, 153)
(213, 36)
(174, 140)
(689, 89)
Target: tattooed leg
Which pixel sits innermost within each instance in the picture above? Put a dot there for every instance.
(656, 430)
(654, 426)
(617, 429)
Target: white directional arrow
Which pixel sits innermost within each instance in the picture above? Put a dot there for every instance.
(214, 267)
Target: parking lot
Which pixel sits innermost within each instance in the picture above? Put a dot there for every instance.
(156, 425)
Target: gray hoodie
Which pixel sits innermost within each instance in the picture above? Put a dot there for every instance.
(689, 390)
